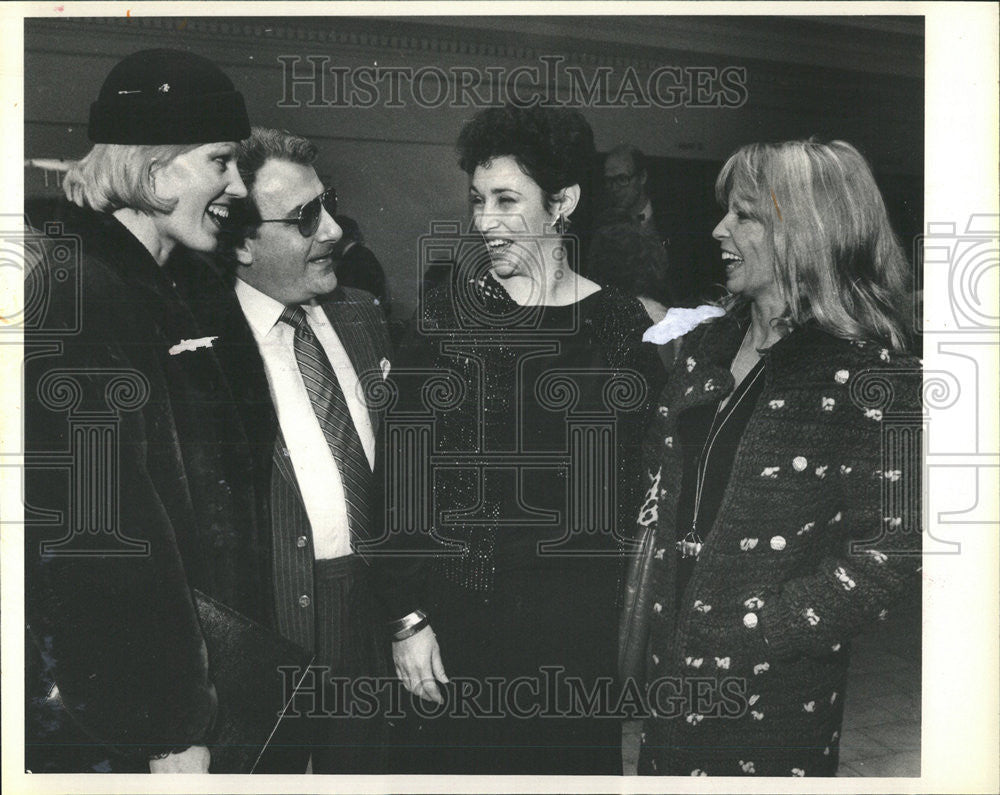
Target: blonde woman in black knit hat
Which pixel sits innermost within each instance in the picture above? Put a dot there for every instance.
(782, 511)
(120, 378)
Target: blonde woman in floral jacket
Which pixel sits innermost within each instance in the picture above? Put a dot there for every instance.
(782, 515)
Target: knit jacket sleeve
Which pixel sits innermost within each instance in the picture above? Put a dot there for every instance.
(876, 556)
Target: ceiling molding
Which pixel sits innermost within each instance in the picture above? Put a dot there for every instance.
(881, 45)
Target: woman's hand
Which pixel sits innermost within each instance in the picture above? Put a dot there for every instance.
(418, 664)
(193, 760)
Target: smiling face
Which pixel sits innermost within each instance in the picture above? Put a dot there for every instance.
(203, 181)
(280, 262)
(510, 211)
(747, 252)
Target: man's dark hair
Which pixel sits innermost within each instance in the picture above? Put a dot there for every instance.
(252, 153)
(266, 144)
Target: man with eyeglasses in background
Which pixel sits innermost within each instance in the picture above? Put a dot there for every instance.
(626, 198)
(300, 354)
(625, 186)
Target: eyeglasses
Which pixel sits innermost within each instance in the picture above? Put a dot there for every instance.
(308, 218)
(618, 180)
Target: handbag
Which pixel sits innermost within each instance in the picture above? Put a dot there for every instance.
(633, 634)
(246, 663)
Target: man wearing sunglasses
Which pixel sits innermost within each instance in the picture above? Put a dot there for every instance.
(299, 352)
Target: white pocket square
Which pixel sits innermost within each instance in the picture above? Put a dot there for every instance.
(385, 367)
(191, 345)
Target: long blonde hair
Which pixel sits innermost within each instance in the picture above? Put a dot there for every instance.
(836, 259)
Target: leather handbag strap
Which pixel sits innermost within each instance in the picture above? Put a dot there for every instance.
(634, 630)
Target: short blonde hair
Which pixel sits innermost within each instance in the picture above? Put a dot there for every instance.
(836, 259)
(113, 176)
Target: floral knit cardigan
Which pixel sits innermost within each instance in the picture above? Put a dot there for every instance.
(817, 534)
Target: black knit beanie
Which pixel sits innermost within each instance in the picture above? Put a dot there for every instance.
(167, 97)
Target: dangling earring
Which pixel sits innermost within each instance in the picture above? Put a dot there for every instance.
(559, 225)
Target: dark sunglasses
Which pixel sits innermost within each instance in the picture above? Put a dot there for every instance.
(308, 219)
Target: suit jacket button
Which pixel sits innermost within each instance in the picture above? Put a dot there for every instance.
(301, 541)
(304, 600)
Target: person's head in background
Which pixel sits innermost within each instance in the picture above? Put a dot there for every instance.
(357, 265)
(284, 236)
(351, 234)
(625, 180)
(623, 254)
(164, 127)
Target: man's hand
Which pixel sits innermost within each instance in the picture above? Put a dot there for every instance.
(419, 666)
(194, 760)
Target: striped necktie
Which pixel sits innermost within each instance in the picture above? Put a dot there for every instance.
(334, 417)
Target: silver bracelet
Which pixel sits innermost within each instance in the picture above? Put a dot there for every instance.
(410, 631)
(407, 621)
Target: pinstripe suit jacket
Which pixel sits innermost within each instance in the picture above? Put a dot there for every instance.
(361, 327)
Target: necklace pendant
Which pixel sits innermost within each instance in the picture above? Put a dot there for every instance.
(689, 547)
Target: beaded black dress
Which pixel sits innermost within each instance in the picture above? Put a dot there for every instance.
(536, 489)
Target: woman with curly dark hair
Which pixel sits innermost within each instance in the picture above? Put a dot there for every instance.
(517, 604)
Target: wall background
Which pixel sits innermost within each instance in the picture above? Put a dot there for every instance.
(856, 78)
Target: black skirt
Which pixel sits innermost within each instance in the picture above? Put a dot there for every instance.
(533, 687)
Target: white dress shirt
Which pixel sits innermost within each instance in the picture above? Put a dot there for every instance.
(315, 467)
(647, 215)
